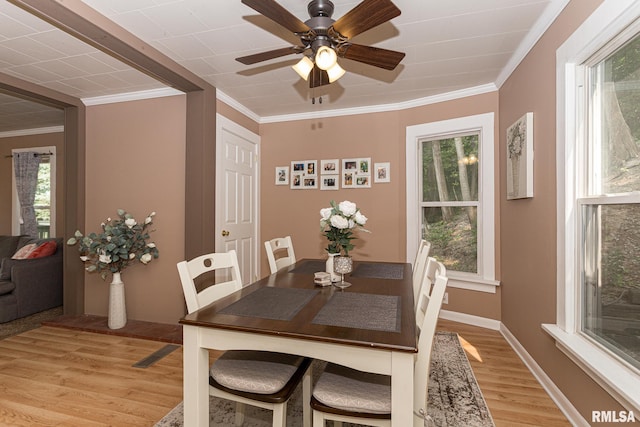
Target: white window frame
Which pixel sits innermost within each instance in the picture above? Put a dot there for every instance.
(613, 19)
(483, 124)
(15, 212)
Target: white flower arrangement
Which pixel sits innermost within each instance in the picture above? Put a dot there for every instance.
(338, 222)
(121, 242)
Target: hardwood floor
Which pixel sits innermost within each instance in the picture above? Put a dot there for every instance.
(65, 377)
(513, 395)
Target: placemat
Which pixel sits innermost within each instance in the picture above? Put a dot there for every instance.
(310, 267)
(379, 271)
(271, 303)
(361, 311)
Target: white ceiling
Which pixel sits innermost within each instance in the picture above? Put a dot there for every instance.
(450, 45)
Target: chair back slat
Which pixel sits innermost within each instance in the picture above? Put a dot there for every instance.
(275, 247)
(419, 267)
(425, 344)
(434, 268)
(227, 273)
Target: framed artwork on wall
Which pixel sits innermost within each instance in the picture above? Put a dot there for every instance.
(356, 173)
(329, 167)
(304, 174)
(330, 182)
(520, 158)
(282, 175)
(381, 172)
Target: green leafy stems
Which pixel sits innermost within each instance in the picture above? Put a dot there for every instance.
(122, 242)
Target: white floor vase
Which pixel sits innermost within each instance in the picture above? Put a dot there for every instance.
(117, 308)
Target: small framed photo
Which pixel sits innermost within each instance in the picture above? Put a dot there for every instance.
(297, 167)
(363, 181)
(356, 173)
(329, 182)
(329, 167)
(304, 174)
(282, 175)
(350, 164)
(348, 179)
(381, 172)
(296, 180)
(363, 166)
(309, 182)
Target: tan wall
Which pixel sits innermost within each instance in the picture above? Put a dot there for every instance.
(529, 226)
(380, 136)
(27, 141)
(136, 161)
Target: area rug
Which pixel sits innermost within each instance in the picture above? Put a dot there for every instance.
(454, 396)
(24, 324)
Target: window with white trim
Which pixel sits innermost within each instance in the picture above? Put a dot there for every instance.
(598, 171)
(45, 197)
(449, 202)
(450, 197)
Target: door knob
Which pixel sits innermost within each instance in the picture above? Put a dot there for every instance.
(225, 233)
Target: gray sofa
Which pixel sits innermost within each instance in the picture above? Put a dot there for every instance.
(28, 286)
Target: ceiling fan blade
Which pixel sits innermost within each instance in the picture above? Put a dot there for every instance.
(378, 57)
(318, 77)
(366, 15)
(278, 14)
(264, 56)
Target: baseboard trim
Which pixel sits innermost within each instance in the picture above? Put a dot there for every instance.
(567, 408)
(470, 319)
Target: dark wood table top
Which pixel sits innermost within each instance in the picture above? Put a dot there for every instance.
(372, 283)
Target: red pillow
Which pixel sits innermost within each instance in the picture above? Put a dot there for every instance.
(45, 249)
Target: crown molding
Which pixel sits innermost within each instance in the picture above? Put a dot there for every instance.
(132, 96)
(449, 96)
(221, 96)
(551, 12)
(34, 131)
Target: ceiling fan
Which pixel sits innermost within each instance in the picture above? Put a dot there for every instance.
(323, 39)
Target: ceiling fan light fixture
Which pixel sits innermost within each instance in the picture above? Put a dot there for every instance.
(303, 67)
(335, 72)
(326, 57)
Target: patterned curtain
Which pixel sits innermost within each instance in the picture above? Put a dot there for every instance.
(26, 165)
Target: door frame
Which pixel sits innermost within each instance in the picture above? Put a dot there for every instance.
(223, 123)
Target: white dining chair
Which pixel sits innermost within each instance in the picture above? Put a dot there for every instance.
(419, 267)
(258, 378)
(347, 395)
(275, 255)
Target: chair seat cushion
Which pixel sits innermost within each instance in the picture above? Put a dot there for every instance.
(355, 391)
(255, 371)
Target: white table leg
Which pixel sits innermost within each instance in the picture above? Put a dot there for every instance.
(402, 390)
(195, 379)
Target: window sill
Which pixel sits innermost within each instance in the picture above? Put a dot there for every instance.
(619, 380)
(472, 283)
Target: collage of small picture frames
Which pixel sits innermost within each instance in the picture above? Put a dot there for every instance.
(332, 174)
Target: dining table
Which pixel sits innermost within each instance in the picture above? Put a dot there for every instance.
(369, 326)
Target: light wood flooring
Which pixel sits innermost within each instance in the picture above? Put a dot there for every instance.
(53, 376)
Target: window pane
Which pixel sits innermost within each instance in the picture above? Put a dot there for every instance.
(611, 297)
(453, 235)
(42, 202)
(450, 169)
(616, 121)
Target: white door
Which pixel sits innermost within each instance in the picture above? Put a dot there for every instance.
(237, 192)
